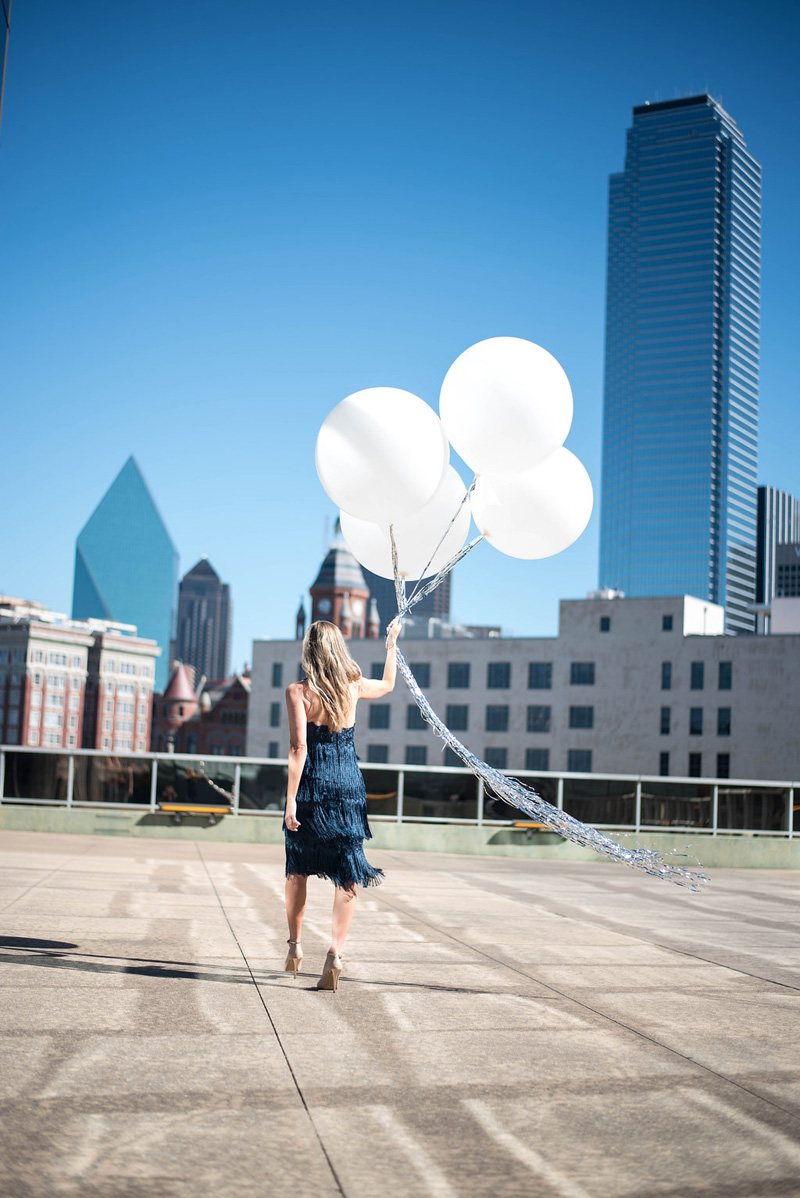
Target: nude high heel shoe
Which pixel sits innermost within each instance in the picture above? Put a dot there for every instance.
(294, 957)
(330, 972)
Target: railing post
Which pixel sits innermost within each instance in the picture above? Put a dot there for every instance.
(3, 775)
(714, 810)
(237, 779)
(401, 787)
(154, 785)
(560, 794)
(638, 816)
(790, 813)
(481, 794)
(70, 778)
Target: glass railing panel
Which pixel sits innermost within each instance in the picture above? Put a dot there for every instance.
(37, 776)
(757, 809)
(381, 790)
(262, 787)
(195, 781)
(440, 796)
(677, 804)
(601, 800)
(112, 780)
(496, 808)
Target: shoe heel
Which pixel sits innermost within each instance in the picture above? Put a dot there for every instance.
(294, 959)
(330, 975)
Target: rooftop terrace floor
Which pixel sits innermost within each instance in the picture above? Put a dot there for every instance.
(502, 1027)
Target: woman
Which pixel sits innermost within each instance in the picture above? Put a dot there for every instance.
(325, 822)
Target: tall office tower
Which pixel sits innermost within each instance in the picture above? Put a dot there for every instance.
(204, 622)
(126, 566)
(437, 604)
(680, 430)
(778, 524)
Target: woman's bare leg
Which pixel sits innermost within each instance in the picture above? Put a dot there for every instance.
(296, 886)
(344, 905)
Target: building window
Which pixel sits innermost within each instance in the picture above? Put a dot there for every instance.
(422, 672)
(695, 721)
(581, 717)
(52, 719)
(379, 715)
(378, 754)
(723, 765)
(663, 764)
(106, 725)
(537, 759)
(452, 760)
(457, 717)
(458, 675)
(55, 659)
(37, 680)
(724, 721)
(666, 714)
(145, 671)
(56, 681)
(666, 675)
(539, 719)
(416, 755)
(498, 675)
(605, 623)
(273, 749)
(376, 671)
(74, 701)
(666, 623)
(33, 736)
(277, 673)
(415, 721)
(695, 765)
(579, 761)
(697, 676)
(36, 699)
(540, 676)
(497, 719)
(725, 675)
(38, 656)
(274, 715)
(581, 673)
(106, 743)
(497, 758)
(127, 667)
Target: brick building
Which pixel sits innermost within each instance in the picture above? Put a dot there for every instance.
(212, 723)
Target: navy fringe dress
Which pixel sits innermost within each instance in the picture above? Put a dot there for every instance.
(332, 812)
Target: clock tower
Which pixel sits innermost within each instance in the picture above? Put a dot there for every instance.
(339, 593)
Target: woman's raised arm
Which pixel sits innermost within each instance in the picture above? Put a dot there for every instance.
(376, 688)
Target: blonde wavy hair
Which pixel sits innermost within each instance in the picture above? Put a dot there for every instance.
(329, 671)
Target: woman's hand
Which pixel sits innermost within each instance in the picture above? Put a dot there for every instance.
(290, 818)
(392, 633)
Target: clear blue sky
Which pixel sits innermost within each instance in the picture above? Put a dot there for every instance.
(220, 219)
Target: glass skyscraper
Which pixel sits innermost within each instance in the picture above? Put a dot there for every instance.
(680, 429)
(126, 566)
(204, 622)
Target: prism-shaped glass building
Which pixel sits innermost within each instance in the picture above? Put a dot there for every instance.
(126, 566)
(680, 429)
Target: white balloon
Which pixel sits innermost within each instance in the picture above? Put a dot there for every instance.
(381, 453)
(505, 404)
(535, 513)
(416, 537)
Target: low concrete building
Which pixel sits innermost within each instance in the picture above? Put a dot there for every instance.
(649, 686)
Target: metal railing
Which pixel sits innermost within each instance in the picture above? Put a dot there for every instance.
(397, 793)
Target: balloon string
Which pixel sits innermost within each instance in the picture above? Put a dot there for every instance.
(444, 535)
(404, 605)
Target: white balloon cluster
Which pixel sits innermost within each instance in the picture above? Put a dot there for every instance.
(506, 407)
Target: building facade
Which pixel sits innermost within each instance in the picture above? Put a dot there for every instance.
(628, 686)
(434, 606)
(778, 535)
(209, 720)
(205, 612)
(680, 429)
(126, 566)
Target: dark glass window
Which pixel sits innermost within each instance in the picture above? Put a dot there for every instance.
(414, 718)
(724, 721)
(376, 670)
(581, 673)
(496, 718)
(422, 672)
(452, 760)
(695, 765)
(723, 765)
(458, 675)
(416, 755)
(666, 675)
(666, 623)
(378, 753)
(725, 675)
(277, 673)
(537, 759)
(457, 717)
(581, 717)
(605, 623)
(695, 721)
(539, 719)
(498, 675)
(697, 676)
(579, 761)
(379, 715)
(300, 672)
(663, 764)
(498, 758)
(540, 676)
(666, 713)
(274, 749)
(274, 715)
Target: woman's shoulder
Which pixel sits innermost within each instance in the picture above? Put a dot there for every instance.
(297, 691)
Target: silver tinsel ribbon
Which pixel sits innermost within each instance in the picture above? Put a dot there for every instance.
(513, 791)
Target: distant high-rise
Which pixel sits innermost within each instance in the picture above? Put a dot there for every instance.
(680, 433)
(126, 566)
(204, 622)
(778, 524)
(437, 604)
